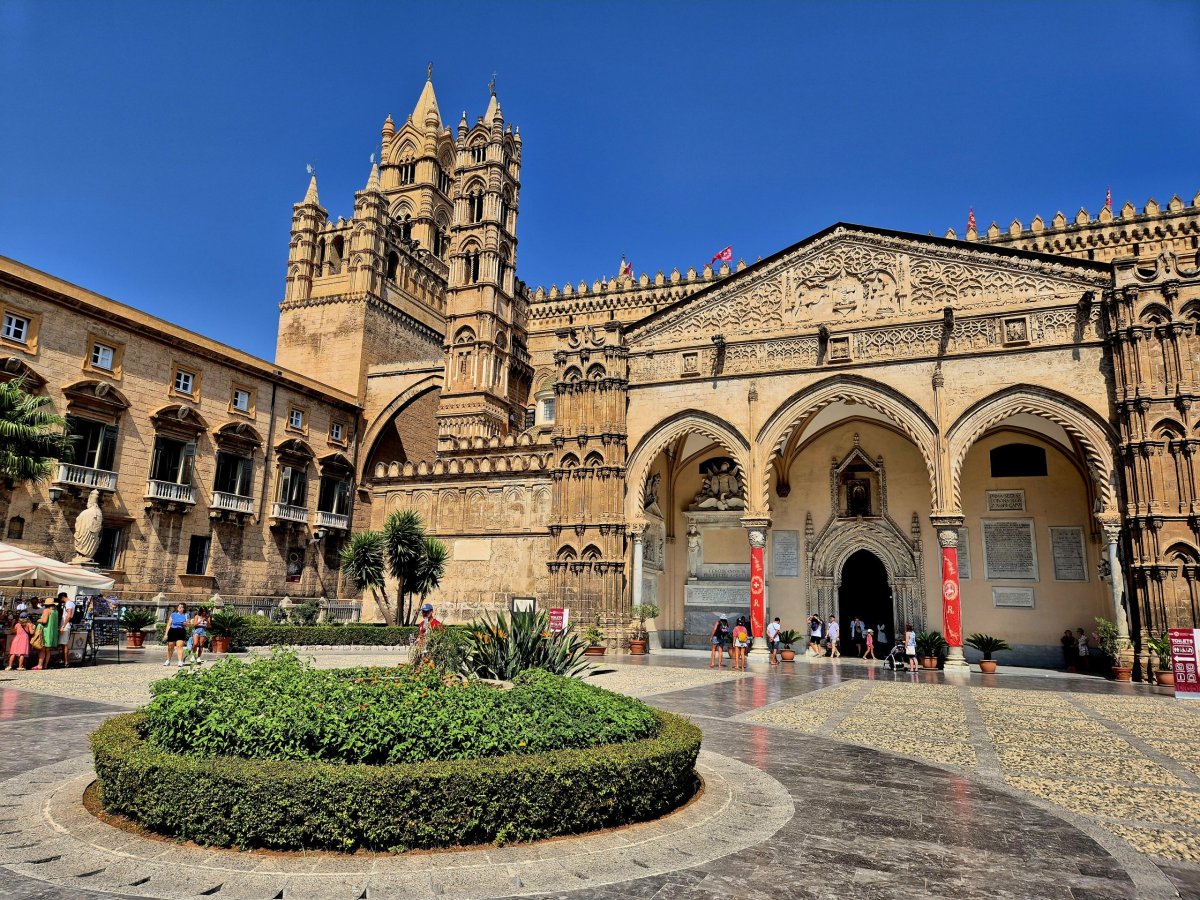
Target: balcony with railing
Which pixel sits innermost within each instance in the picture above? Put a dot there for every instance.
(332, 520)
(234, 503)
(169, 492)
(85, 477)
(283, 512)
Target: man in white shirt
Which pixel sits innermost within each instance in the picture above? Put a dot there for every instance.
(773, 640)
(832, 630)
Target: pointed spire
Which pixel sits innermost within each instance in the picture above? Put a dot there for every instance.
(311, 196)
(426, 111)
(493, 110)
(373, 180)
(389, 127)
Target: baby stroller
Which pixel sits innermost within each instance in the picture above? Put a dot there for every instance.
(895, 660)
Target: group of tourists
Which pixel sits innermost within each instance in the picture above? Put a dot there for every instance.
(1078, 650)
(187, 632)
(825, 638)
(42, 629)
(736, 640)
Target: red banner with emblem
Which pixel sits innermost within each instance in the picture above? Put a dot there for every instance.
(951, 605)
(758, 593)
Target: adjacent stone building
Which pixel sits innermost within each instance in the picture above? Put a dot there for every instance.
(904, 428)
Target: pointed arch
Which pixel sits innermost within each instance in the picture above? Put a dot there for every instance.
(1094, 436)
(375, 431)
(798, 409)
(665, 433)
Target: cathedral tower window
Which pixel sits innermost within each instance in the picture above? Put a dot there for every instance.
(393, 263)
(473, 267)
(408, 172)
(443, 181)
(478, 153)
(336, 249)
(476, 207)
(439, 242)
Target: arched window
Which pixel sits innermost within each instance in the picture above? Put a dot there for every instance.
(473, 267)
(479, 153)
(393, 263)
(1018, 461)
(406, 228)
(440, 243)
(505, 265)
(505, 206)
(321, 256)
(336, 249)
(408, 172)
(476, 207)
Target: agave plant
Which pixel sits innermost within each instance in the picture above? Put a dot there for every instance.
(503, 648)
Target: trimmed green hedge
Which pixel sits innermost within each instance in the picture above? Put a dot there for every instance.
(230, 802)
(316, 635)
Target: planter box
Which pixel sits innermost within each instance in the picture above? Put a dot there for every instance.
(594, 651)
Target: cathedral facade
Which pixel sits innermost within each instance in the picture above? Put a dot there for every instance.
(988, 434)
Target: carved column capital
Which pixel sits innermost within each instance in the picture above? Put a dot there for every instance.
(1112, 531)
(947, 537)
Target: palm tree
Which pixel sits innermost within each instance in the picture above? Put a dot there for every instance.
(402, 550)
(404, 534)
(31, 436)
(363, 560)
(430, 568)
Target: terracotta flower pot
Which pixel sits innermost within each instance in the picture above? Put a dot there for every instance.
(1165, 677)
(135, 639)
(787, 654)
(928, 662)
(987, 666)
(637, 647)
(221, 644)
(597, 650)
(1123, 673)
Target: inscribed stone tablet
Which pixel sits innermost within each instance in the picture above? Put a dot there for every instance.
(785, 554)
(1070, 558)
(1013, 597)
(1008, 550)
(1006, 501)
(964, 554)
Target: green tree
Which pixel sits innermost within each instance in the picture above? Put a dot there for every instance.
(405, 552)
(31, 436)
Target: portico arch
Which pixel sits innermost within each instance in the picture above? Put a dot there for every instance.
(806, 403)
(661, 436)
(1094, 436)
(841, 539)
(376, 430)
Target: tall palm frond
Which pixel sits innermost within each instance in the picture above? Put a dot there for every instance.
(31, 436)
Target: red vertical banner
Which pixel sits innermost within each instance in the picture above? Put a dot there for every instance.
(951, 599)
(758, 591)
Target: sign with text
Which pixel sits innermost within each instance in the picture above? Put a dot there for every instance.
(559, 618)
(1185, 659)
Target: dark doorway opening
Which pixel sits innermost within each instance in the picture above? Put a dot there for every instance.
(865, 593)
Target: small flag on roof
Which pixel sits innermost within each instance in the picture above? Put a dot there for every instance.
(725, 255)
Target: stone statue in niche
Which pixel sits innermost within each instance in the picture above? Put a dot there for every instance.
(858, 497)
(651, 502)
(695, 550)
(89, 526)
(723, 488)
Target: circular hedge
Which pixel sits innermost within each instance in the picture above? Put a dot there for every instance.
(314, 804)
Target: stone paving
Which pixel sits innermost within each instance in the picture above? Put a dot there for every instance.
(865, 784)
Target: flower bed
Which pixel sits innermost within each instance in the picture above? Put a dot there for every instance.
(471, 764)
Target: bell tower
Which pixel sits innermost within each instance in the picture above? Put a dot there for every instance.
(487, 364)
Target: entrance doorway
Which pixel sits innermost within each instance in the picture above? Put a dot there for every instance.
(865, 593)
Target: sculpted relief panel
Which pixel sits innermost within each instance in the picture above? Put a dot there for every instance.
(851, 276)
(477, 510)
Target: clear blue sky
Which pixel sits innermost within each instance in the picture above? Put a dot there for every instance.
(153, 151)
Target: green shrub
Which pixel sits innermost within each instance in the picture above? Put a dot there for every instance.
(304, 614)
(505, 648)
(254, 634)
(281, 708)
(445, 649)
(315, 805)
(137, 618)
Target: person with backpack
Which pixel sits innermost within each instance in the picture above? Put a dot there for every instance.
(815, 631)
(718, 639)
(741, 637)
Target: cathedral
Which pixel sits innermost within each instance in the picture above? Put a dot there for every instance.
(990, 433)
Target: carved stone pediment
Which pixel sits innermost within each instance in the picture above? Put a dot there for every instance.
(853, 274)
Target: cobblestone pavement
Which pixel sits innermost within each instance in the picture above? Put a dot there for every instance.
(1016, 785)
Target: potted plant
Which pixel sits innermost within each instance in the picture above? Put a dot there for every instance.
(641, 612)
(930, 645)
(223, 625)
(594, 636)
(987, 645)
(1165, 673)
(1118, 650)
(787, 638)
(134, 621)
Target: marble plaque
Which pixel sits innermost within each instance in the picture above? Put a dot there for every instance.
(964, 554)
(1006, 501)
(1070, 557)
(785, 554)
(731, 595)
(1017, 597)
(725, 572)
(1009, 553)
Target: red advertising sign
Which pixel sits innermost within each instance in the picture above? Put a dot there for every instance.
(1185, 659)
(951, 599)
(559, 619)
(758, 593)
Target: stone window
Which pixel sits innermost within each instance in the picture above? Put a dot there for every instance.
(19, 328)
(235, 474)
(16, 528)
(293, 485)
(104, 357)
(112, 542)
(548, 409)
(95, 444)
(16, 328)
(334, 495)
(475, 202)
(478, 154)
(337, 432)
(197, 561)
(408, 172)
(185, 382)
(173, 460)
(443, 181)
(297, 420)
(241, 400)
(1018, 461)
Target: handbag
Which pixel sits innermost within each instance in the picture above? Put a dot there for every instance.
(37, 642)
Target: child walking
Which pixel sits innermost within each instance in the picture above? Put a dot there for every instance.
(870, 653)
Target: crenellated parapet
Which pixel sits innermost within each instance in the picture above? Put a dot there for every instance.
(1106, 235)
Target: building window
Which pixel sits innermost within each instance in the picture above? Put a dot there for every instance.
(94, 444)
(241, 400)
(439, 243)
(530, 417)
(548, 409)
(112, 539)
(184, 381)
(293, 485)
(103, 356)
(296, 419)
(235, 474)
(173, 461)
(443, 181)
(337, 432)
(197, 562)
(1018, 461)
(16, 328)
(473, 267)
(334, 496)
(408, 172)
(476, 210)
(478, 154)
(16, 528)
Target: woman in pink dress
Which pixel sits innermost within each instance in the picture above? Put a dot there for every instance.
(19, 648)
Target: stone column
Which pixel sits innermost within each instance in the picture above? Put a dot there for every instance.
(639, 533)
(756, 531)
(947, 532)
(1112, 534)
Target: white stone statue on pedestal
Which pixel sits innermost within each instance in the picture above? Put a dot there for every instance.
(695, 550)
(89, 525)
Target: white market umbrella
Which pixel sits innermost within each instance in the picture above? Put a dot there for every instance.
(21, 565)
